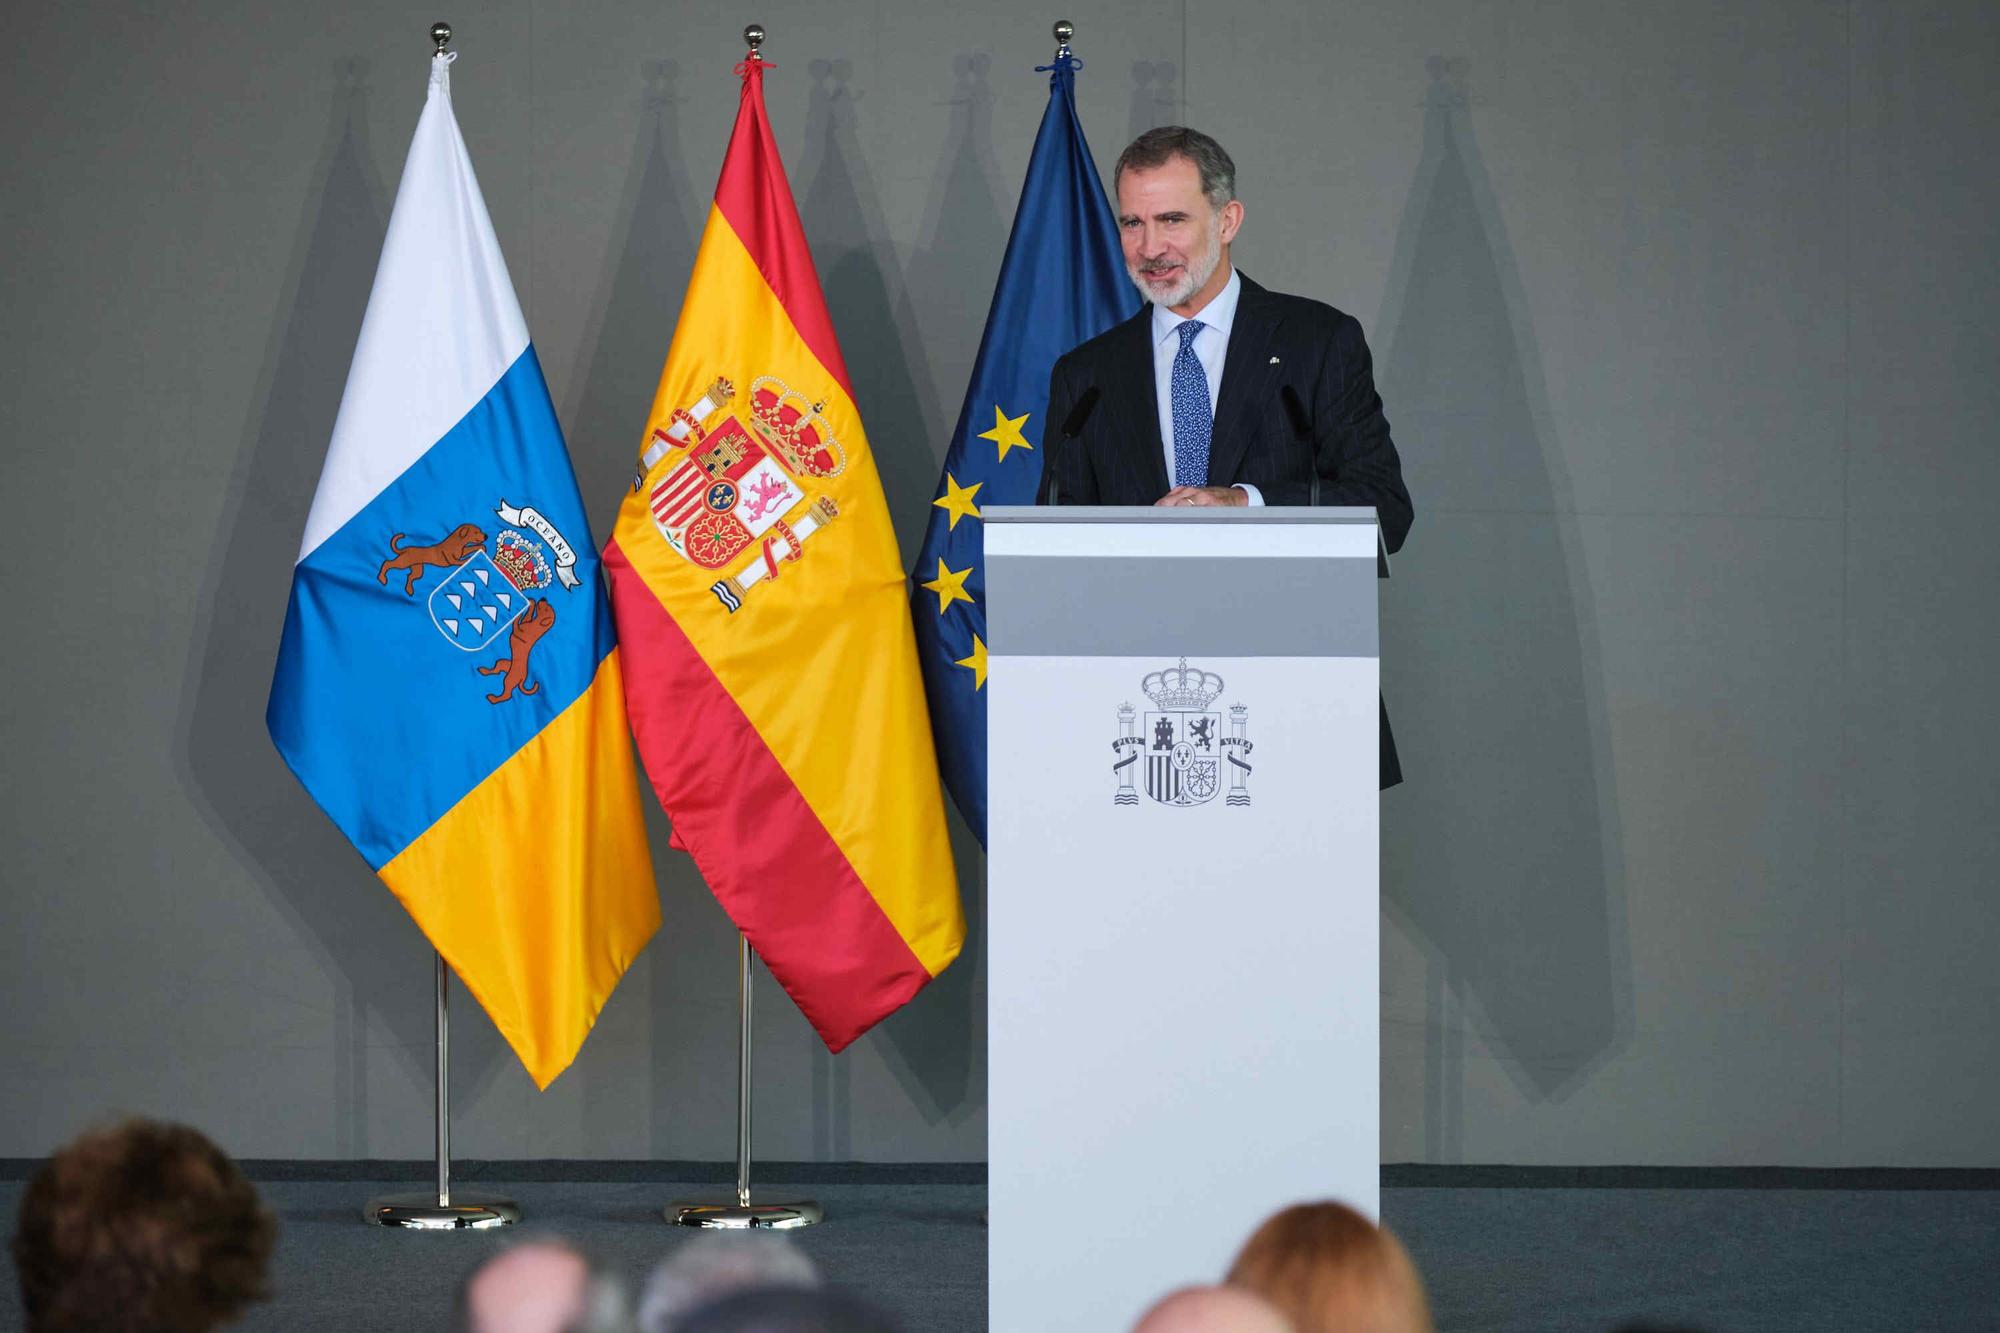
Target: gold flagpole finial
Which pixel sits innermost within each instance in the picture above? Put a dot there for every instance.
(441, 34)
(754, 35)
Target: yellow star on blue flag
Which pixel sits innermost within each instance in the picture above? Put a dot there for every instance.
(957, 499)
(1006, 431)
(949, 585)
(976, 659)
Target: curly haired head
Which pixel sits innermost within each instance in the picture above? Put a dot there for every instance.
(140, 1228)
(1329, 1268)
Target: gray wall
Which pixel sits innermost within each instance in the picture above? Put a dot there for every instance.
(1682, 315)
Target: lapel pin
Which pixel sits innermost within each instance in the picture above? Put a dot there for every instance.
(1274, 360)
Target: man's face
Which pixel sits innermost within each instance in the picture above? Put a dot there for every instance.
(1174, 238)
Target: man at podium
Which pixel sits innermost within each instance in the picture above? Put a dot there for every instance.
(1219, 391)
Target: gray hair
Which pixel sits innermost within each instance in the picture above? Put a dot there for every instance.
(1158, 146)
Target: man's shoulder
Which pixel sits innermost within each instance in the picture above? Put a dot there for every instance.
(1106, 345)
(1308, 316)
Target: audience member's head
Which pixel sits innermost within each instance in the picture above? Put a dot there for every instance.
(540, 1286)
(1213, 1310)
(1330, 1269)
(712, 1265)
(143, 1226)
(787, 1310)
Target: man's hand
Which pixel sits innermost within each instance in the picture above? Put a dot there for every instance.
(1202, 495)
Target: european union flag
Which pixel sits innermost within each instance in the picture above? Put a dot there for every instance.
(1062, 282)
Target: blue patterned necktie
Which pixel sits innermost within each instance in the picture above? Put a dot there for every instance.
(1193, 418)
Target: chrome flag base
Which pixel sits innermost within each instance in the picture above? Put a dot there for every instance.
(421, 1211)
(743, 1217)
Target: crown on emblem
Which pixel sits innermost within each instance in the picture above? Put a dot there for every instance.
(795, 427)
(521, 561)
(1182, 687)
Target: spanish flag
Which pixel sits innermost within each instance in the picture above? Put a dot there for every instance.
(771, 674)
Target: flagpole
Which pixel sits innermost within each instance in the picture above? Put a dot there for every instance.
(746, 963)
(443, 1080)
(441, 1210)
(744, 1214)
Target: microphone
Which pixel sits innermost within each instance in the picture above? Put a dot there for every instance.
(1302, 428)
(1086, 403)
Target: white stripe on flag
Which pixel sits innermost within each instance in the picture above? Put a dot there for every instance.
(442, 325)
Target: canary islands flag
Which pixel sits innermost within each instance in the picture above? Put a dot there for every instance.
(1062, 283)
(773, 681)
(448, 683)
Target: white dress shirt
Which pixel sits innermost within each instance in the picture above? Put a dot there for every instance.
(1211, 345)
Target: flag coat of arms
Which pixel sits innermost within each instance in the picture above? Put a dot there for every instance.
(772, 678)
(1062, 283)
(448, 684)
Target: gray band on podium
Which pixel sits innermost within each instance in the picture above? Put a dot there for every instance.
(1244, 607)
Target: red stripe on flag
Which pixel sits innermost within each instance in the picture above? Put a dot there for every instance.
(678, 510)
(769, 861)
(756, 198)
(676, 498)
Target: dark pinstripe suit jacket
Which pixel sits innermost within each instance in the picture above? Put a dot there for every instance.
(1117, 457)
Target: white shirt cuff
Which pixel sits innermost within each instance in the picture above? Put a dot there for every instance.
(1256, 496)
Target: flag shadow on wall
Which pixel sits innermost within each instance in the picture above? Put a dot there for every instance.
(375, 957)
(936, 1046)
(679, 1004)
(933, 1046)
(1502, 852)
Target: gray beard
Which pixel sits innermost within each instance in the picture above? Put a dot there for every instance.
(1200, 269)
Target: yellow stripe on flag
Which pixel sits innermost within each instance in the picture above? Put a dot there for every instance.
(531, 866)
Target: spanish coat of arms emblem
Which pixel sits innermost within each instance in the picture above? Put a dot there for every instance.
(1181, 742)
(736, 497)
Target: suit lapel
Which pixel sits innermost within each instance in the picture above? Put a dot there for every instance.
(1247, 380)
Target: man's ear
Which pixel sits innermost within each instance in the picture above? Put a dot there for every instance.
(1232, 220)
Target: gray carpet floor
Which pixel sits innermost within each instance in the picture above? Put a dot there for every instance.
(1722, 1260)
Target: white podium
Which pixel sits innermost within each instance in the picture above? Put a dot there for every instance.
(1183, 876)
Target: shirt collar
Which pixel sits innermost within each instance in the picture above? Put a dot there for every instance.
(1219, 314)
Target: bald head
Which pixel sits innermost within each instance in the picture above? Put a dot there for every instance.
(535, 1288)
(1212, 1310)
